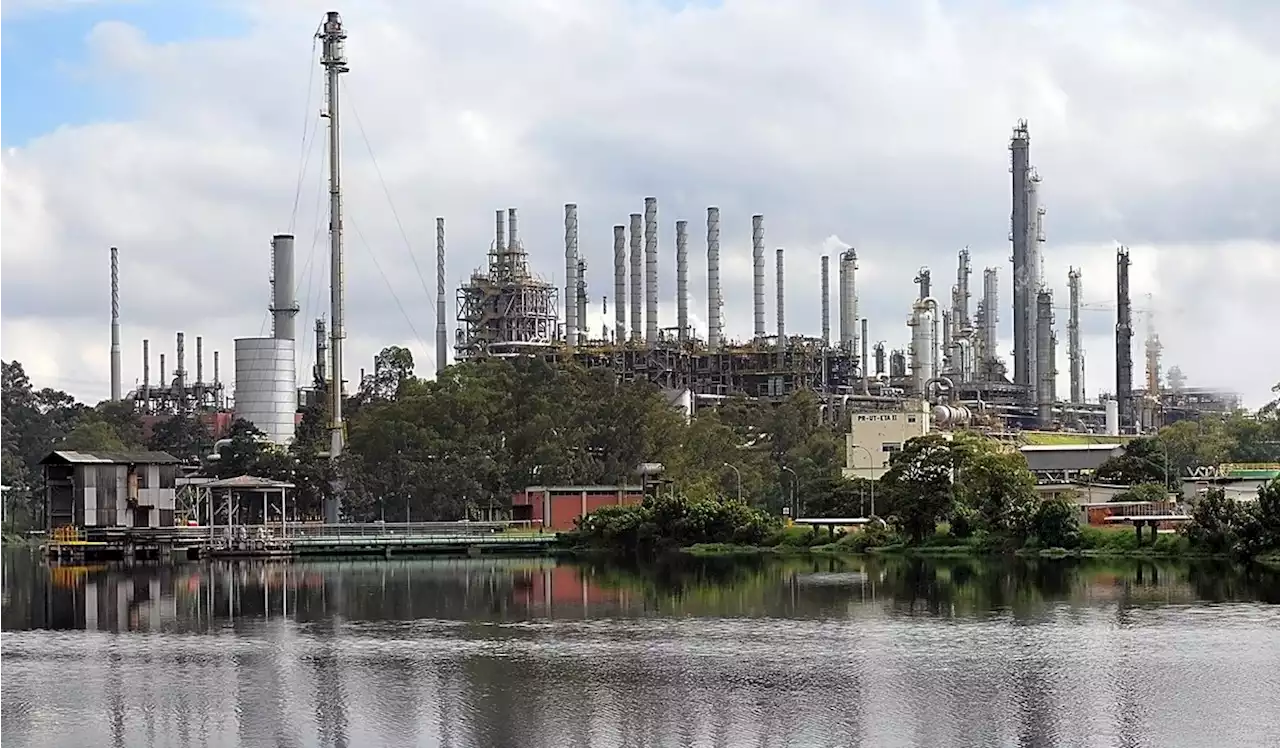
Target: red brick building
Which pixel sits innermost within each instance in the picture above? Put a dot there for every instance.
(556, 507)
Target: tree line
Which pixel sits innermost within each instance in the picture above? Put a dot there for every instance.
(460, 445)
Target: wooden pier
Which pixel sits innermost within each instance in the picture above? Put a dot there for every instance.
(297, 539)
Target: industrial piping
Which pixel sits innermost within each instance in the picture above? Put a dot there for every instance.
(713, 279)
(620, 283)
(651, 271)
(757, 274)
(637, 280)
(442, 337)
(682, 281)
(115, 325)
(571, 283)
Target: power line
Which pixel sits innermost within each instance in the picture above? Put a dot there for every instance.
(386, 280)
(385, 191)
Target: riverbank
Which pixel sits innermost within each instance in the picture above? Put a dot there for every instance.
(1093, 543)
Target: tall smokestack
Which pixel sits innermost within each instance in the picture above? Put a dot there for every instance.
(146, 375)
(849, 300)
(580, 274)
(782, 311)
(713, 279)
(217, 381)
(180, 372)
(284, 306)
(1075, 356)
(164, 383)
(318, 371)
(1044, 352)
(199, 361)
(442, 337)
(620, 283)
(826, 301)
(499, 232)
(637, 280)
(115, 325)
(651, 271)
(1023, 291)
(571, 283)
(757, 274)
(864, 362)
(1124, 340)
(682, 281)
(513, 234)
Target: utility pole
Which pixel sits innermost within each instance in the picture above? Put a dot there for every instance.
(334, 61)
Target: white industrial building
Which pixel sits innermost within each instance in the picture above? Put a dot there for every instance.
(874, 435)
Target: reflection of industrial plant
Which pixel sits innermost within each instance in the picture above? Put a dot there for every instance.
(194, 597)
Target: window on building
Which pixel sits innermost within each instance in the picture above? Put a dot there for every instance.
(890, 447)
(911, 419)
(168, 476)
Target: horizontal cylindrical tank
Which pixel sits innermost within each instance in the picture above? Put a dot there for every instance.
(951, 415)
(266, 389)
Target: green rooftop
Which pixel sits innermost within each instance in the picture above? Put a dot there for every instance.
(1064, 439)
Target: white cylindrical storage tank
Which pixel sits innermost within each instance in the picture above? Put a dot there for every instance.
(1113, 417)
(266, 386)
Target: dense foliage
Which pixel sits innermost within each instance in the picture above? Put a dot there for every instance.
(460, 445)
(667, 522)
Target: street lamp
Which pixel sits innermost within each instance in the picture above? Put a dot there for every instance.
(872, 468)
(738, 473)
(795, 510)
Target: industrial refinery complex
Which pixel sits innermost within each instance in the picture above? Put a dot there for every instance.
(943, 365)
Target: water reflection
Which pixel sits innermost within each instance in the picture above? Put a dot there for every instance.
(531, 652)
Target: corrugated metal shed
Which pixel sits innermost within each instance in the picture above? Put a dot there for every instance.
(67, 457)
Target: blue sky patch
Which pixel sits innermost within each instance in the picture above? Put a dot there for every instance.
(42, 49)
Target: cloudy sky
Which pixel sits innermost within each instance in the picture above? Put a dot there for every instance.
(183, 134)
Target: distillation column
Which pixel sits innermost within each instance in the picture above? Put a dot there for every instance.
(571, 290)
(1075, 355)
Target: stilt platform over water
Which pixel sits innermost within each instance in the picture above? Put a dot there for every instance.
(297, 539)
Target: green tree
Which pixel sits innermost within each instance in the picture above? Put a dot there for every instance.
(919, 482)
(1215, 523)
(1143, 492)
(1054, 524)
(995, 484)
(92, 436)
(183, 436)
(1142, 461)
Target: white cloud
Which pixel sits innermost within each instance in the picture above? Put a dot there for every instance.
(883, 124)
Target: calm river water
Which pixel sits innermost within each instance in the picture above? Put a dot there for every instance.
(505, 652)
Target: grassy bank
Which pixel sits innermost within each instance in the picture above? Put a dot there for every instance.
(1094, 542)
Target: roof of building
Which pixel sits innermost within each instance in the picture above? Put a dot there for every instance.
(1069, 447)
(1063, 438)
(1068, 457)
(248, 483)
(69, 457)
